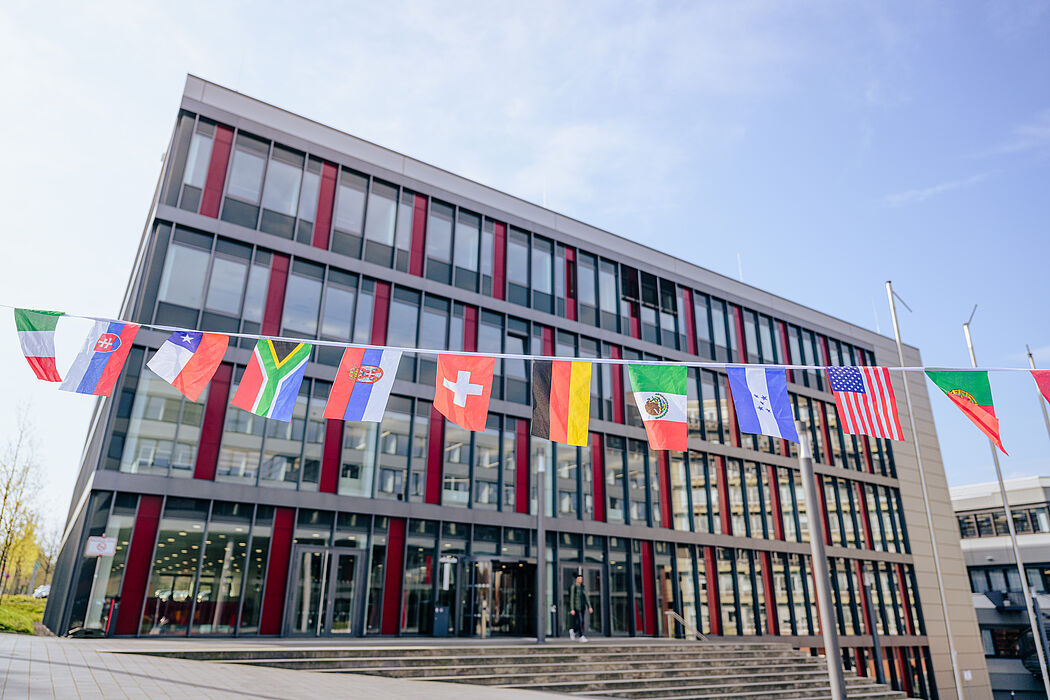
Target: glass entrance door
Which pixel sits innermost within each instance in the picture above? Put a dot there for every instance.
(326, 595)
(593, 584)
(497, 598)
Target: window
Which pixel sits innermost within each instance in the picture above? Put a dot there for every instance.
(433, 333)
(751, 336)
(455, 490)
(173, 575)
(349, 214)
(488, 255)
(517, 343)
(225, 550)
(255, 294)
(337, 316)
(967, 526)
(518, 267)
(393, 449)
(309, 195)
(542, 274)
(486, 465)
(468, 227)
(195, 176)
(302, 298)
(702, 320)
(668, 330)
(718, 331)
(586, 288)
(614, 479)
(401, 328)
(607, 296)
(228, 275)
(182, 281)
(379, 226)
(365, 309)
(406, 211)
(281, 192)
(490, 339)
(245, 181)
(439, 243)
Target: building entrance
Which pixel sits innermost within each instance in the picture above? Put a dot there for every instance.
(327, 592)
(497, 598)
(594, 584)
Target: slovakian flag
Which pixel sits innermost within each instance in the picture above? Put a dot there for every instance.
(659, 392)
(561, 400)
(362, 384)
(36, 334)
(272, 379)
(96, 368)
(188, 359)
(463, 387)
(865, 401)
(972, 393)
(1042, 380)
(762, 403)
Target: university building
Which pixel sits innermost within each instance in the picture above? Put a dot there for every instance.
(996, 582)
(229, 524)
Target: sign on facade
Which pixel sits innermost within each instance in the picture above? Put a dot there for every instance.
(100, 547)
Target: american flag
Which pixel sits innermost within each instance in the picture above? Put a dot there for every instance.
(865, 400)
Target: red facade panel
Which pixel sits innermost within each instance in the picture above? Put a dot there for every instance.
(902, 587)
(419, 237)
(211, 426)
(211, 199)
(470, 329)
(785, 348)
(325, 202)
(277, 571)
(499, 261)
(395, 561)
(435, 457)
(724, 512)
(772, 621)
(741, 339)
(714, 607)
(598, 477)
(823, 508)
(774, 497)
(617, 384)
(271, 324)
(570, 283)
(869, 542)
(648, 589)
(829, 457)
(690, 322)
(522, 468)
(734, 427)
(548, 341)
(664, 468)
(136, 569)
(332, 456)
(636, 322)
(380, 313)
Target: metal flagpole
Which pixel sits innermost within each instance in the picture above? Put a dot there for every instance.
(821, 575)
(541, 552)
(1042, 402)
(1037, 631)
(925, 496)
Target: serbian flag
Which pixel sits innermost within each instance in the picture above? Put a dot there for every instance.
(972, 393)
(362, 384)
(464, 385)
(188, 359)
(1042, 380)
(96, 368)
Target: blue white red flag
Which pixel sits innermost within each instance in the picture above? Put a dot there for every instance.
(96, 368)
(188, 359)
(362, 384)
(865, 401)
(762, 403)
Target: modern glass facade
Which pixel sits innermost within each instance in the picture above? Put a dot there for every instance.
(229, 524)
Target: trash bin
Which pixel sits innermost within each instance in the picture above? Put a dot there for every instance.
(440, 620)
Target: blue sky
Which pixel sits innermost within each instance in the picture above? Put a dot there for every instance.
(830, 146)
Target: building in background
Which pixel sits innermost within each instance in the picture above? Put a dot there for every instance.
(994, 579)
(225, 523)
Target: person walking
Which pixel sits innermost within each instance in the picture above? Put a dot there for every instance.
(579, 608)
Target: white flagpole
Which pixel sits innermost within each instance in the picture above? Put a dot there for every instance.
(925, 497)
(1042, 402)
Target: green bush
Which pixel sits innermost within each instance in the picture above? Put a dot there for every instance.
(19, 612)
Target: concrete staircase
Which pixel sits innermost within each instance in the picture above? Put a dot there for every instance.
(651, 669)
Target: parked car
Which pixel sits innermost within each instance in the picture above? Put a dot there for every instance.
(42, 591)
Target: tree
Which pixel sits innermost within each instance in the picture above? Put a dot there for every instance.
(19, 486)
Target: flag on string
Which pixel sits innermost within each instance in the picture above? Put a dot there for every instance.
(36, 334)
(96, 368)
(463, 387)
(972, 393)
(362, 384)
(1042, 380)
(188, 359)
(659, 392)
(865, 401)
(762, 403)
(272, 379)
(561, 400)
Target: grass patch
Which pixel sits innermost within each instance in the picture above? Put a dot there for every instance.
(19, 612)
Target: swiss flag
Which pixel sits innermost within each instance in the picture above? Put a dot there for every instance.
(464, 384)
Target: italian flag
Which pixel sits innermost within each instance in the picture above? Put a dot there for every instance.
(36, 333)
(659, 391)
(972, 393)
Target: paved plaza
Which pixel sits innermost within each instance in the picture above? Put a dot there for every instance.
(52, 667)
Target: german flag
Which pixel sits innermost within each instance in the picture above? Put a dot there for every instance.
(561, 400)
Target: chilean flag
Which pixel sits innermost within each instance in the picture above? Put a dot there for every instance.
(96, 368)
(362, 384)
(188, 359)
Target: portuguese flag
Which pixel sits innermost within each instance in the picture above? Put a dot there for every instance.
(972, 393)
(561, 400)
(659, 391)
(36, 334)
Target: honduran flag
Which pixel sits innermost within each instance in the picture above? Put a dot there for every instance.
(188, 359)
(761, 399)
(272, 379)
(362, 384)
(96, 368)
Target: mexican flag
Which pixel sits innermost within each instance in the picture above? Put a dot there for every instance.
(972, 393)
(659, 391)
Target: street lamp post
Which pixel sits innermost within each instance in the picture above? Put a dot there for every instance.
(541, 551)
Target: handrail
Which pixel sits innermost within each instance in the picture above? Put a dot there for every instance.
(689, 630)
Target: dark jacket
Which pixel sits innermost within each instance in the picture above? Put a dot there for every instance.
(578, 598)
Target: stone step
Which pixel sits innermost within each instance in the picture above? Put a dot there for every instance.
(647, 669)
(801, 686)
(625, 680)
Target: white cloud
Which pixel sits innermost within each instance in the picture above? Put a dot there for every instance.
(922, 194)
(1030, 137)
